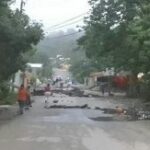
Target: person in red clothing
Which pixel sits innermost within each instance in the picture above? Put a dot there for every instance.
(22, 98)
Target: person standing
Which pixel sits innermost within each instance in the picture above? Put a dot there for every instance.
(103, 86)
(48, 88)
(22, 98)
(29, 97)
(47, 94)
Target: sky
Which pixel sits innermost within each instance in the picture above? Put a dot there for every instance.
(53, 12)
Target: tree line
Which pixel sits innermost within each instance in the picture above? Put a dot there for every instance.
(18, 36)
(117, 34)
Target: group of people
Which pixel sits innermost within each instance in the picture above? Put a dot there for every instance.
(24, 98)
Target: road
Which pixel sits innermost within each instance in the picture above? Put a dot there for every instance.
(72, 129)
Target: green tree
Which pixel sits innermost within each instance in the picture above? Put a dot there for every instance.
(82, 69)
(120, 30)
(18, 35)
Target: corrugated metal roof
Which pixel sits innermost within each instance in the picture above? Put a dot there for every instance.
(35, 65)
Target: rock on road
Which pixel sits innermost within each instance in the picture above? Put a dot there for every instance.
(71, 129)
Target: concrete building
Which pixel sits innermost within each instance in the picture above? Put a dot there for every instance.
(92, 80)
(25, 77)
(35, 67)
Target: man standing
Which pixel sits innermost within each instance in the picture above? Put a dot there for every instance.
(22, 98)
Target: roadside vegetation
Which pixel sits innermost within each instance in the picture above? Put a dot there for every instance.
(18, 36)
(117, 34)
(10, 99)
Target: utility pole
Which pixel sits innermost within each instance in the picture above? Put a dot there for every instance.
(22, 4)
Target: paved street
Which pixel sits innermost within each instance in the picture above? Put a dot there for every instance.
(74, 75)
(71, 129)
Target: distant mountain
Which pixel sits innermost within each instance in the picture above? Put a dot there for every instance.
(63, 43)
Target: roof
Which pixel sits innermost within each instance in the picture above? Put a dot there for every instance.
(97, 74)
(35, 65)
(101, 74)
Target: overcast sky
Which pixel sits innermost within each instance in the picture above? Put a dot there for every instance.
(52, 12)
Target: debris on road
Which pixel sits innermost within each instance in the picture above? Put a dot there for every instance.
(68, 107)
(118, 112)
(102, 118)
(55, 101)
(132, 114)
(73, 92)
(76, 92)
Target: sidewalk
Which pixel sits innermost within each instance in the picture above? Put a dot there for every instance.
(99, 93)
(8, 112)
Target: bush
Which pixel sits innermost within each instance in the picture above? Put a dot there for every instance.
(9, 100)
(4, 90)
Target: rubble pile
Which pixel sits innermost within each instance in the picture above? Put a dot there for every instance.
(132, 113)
(76, 92)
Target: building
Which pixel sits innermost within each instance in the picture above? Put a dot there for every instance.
(25, 77)
(34, 68)
(94, 77)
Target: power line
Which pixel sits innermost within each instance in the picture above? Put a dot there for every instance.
(58, 37)
(66, 21)
(22, 4)
(71, 23)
